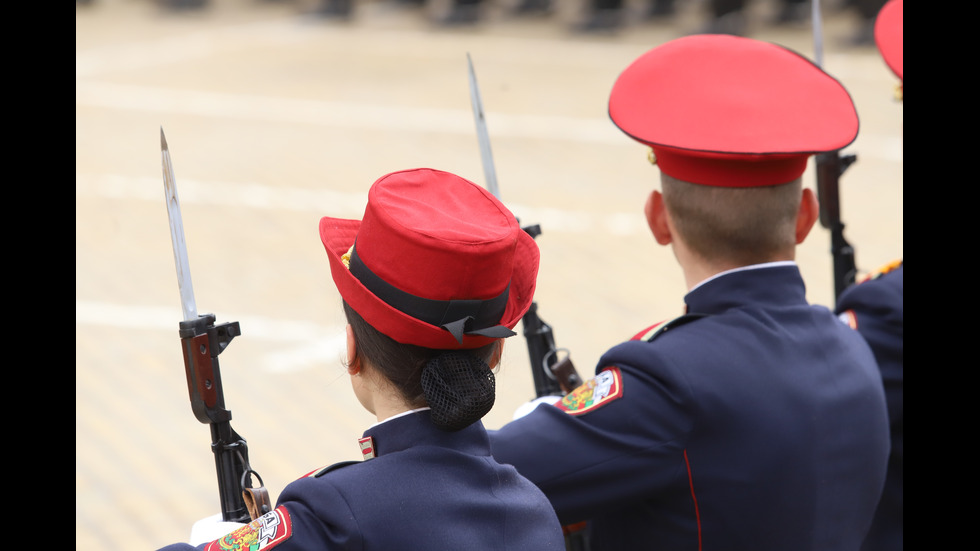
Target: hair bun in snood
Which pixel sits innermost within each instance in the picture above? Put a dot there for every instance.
(459, 388)
(436, 261)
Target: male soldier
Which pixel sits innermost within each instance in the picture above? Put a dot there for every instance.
(756, 421)
(875, 307)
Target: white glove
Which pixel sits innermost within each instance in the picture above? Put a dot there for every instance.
(528, 407)
(211, 528)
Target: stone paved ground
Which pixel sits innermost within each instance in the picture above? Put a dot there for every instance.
(274, 119)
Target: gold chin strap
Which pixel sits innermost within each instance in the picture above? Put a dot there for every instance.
(652, 157)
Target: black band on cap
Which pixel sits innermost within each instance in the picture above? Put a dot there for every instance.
(459, 317)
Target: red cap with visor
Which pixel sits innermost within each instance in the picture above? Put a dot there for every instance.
(889, 36)
(730, 111)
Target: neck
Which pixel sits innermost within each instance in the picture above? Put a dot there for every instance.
(378, 395)
(408, 412)
(696, 268)
(386, 411)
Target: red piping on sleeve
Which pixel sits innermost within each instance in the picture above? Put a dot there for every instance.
(690, 481)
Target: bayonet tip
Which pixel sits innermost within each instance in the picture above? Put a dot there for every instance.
(163, 140)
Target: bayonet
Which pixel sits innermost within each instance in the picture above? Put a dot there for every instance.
(830, 167)
(817, 22)
(187, 304)
(483, 136)
(551, 367)
(201, 343)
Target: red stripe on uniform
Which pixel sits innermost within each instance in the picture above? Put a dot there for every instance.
(690, 481)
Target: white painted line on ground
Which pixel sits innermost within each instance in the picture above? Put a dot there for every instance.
(310, 344)
(342, 114)
(330, 203)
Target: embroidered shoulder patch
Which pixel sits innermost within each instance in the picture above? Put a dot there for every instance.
(891, 266)
(265, 532)
(848, 318)
(594, 393)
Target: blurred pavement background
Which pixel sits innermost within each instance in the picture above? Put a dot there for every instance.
(276, 117)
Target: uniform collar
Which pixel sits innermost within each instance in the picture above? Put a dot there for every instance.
(744, 268)
(774, 283)
(397, 415)
(415, 428)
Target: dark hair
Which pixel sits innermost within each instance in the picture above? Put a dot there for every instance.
(458, 385)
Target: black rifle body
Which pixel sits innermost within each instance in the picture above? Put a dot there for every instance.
(554, 375)
(551, 367)
(202, 342)
(830, 167)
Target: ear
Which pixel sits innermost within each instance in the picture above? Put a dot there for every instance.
(656, 214)
(353, 365)
(808, 214)
(498, 352)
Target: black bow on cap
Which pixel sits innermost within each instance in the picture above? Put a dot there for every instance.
(465, 317)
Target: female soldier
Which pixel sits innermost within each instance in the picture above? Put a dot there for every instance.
(433, 277)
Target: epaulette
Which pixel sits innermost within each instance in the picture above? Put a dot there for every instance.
(660, 328)
(607, 385)
(320, 472)
(889, 267)
(645, 334)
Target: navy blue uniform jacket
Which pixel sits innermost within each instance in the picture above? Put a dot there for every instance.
(876, 309)
(427, 489)
(759, 427)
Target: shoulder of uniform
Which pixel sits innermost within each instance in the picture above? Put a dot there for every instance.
(329, 468)
(646, 333)
(661, 327)
(882, 270)
(607, 385)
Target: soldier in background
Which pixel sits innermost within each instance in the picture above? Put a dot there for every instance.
(875, 307)
(755, 421)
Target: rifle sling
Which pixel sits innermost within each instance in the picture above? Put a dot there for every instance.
(257, 501)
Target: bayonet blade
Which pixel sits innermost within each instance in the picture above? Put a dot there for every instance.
(481, 133)
(187, 303)
(817, 32)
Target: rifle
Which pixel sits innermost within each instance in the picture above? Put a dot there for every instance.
(201, 342)
(551, 367)
(830, 167)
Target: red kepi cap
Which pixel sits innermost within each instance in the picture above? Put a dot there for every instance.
(730, 111)
(437, 261)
